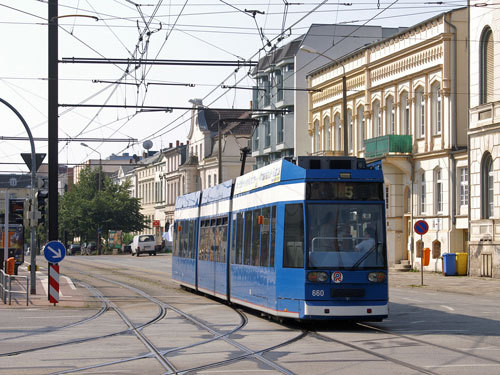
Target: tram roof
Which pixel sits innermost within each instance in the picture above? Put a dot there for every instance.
(217, 192)
(188, 200)
(284, 171)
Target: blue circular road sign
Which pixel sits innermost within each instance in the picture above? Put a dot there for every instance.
(421, 227)
(54, 251)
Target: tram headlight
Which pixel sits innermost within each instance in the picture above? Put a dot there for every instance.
(317, 277)
(377, 277)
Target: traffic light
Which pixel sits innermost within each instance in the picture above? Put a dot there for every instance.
(41, 197)
(16, 211)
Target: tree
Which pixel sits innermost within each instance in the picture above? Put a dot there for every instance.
(85, 207)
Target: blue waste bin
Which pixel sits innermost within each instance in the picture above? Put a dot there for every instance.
(450, 264)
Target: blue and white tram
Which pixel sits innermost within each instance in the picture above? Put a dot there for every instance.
(304, 240)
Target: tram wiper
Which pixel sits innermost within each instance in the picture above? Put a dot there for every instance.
(366, 255)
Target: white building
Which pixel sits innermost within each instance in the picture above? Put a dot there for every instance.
(484, 139)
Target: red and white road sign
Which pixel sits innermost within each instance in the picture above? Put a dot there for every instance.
(54, 283)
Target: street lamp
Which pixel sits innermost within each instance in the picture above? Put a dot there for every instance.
(98, 244)
(344, 92)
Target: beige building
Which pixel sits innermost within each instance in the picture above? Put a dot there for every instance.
(404, 111)
(236, 132)
(484, 139)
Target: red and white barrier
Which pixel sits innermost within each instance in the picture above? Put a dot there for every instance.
(54, 283)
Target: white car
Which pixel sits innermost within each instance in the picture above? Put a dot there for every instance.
(144, 243)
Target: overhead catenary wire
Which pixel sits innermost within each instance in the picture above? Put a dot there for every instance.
(163, 6)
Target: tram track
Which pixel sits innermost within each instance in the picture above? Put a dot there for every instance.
(161, 355)
(428, 343)
(373, 353)
(258, 355)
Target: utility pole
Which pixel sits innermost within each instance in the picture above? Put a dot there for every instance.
(53, 99)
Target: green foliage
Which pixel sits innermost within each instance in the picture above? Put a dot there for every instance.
(85, 208)
(127, 238)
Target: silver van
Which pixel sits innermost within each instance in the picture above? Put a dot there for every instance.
(144, 243)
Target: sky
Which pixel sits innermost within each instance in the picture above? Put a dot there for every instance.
(151, 29)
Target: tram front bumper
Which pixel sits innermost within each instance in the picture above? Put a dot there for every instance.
(358, 310)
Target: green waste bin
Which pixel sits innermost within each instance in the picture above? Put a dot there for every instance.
(461, 264)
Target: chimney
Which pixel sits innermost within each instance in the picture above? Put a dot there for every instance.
(170, 145)
(177, 143)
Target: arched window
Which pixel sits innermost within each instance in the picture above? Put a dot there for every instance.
(486, 63)
(328, 133)
(487, 186)
(338, 133)
(317, 137)
(361, 127)
(377, 123)
(420, 111)
(405, 113)
(436, 108)
(349, 129)
(390, 123)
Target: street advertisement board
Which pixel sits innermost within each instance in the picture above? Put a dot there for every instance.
(16, 243)
(115, 239)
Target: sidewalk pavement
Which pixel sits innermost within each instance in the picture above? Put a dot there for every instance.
(469, 285)
(69, 294)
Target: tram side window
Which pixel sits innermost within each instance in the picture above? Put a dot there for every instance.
(255, 237)
(247, 258)
(239, 239)
(293, 242)
(189, 239)
(203, 241)
(217, 241)
(264, 236)
(273, 236)
(233, 240)
(193, 240)
(213, 244)
(223, 240)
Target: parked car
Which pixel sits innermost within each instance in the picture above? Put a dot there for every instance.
(73, 248)
(128, 248)
(144, 243)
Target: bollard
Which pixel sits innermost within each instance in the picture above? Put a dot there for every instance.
(10, 266)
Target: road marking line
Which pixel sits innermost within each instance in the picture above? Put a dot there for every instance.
(70, 282)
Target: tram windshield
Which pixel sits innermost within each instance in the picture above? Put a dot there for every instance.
(348, 236)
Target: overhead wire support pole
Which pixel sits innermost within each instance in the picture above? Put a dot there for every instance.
(53, 118)
(32, 195)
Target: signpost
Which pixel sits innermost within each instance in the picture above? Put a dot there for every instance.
(54, 252)
(421, 227)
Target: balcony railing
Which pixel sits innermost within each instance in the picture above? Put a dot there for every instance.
(386, 144)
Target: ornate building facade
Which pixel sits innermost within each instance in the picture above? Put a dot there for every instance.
(404, 111)
(484, 140)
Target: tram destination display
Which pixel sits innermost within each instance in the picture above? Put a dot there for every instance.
(359, 191)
